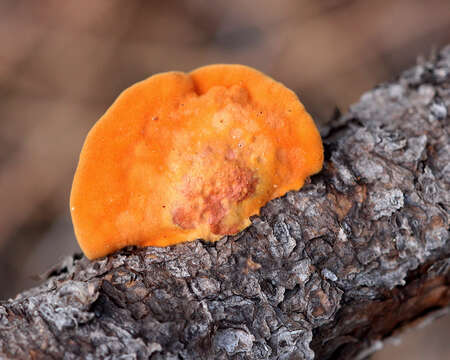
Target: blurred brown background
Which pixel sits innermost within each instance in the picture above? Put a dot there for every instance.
(62, 63)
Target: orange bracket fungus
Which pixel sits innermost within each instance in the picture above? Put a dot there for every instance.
(184, 156)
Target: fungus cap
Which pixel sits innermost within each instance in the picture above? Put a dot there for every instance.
(184, 156)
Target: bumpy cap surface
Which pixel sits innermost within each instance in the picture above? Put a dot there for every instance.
(184, 156)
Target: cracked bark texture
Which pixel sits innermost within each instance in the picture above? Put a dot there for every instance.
(327, 272)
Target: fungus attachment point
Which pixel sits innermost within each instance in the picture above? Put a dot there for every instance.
(184, 156)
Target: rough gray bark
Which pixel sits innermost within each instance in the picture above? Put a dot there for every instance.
(329, 271)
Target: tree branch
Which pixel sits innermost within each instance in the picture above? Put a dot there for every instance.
(359, 253)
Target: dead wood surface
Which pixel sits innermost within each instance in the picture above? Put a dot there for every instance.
(328, 272)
